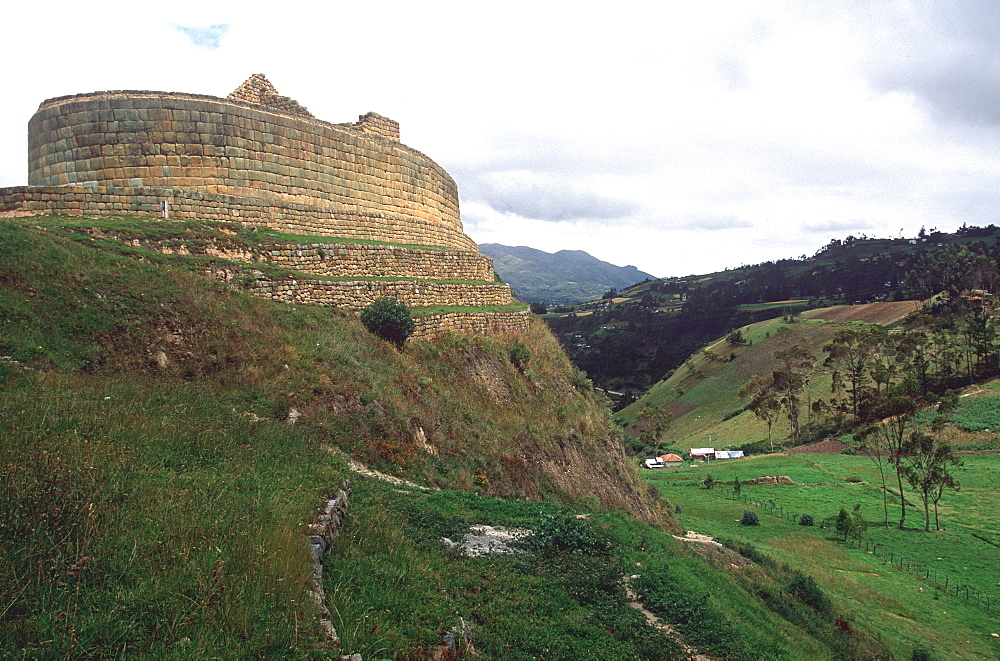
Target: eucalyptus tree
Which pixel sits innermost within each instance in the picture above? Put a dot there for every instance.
(764, 401)
(849, 354)
(928, 463)
(888, 435)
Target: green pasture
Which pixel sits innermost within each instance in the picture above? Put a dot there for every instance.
(901, 606)
(396, 585)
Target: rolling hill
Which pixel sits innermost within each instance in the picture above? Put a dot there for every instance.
(568, 276)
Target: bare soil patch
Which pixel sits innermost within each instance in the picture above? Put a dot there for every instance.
(872, 313)
(831, 445)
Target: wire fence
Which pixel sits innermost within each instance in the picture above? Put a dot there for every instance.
(939, 579)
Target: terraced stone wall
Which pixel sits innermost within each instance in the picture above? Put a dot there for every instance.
(356, 260)
(355, 295)
(428, 327)
(285, 167)
(285, 217)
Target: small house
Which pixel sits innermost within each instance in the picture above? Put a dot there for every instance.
(671, 460)
(702, 454)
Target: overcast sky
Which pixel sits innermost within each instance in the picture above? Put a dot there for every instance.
(680, 137)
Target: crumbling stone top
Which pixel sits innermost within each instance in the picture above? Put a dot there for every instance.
(259, 90)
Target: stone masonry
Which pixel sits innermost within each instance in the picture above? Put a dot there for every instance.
(262, 160)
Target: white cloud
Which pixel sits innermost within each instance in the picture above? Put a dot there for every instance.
(675, 136)
(207, 37)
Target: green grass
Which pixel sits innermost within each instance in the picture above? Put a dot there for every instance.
(979, 410)
(861, 584)
(185, 231)
(398, 587)
(151, 521)
(156, 496)
(704, 401)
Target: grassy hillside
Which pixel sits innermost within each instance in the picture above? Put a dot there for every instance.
(702, 395)
(165, 439)
(568, 276)
(906, 609)
(154, 482)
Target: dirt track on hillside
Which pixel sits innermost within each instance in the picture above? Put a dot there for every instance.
(872, 313)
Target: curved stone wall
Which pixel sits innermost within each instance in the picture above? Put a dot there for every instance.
(279, 164)
(341, 260)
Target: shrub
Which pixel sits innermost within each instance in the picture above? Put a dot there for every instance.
(750, 518)
(388, 319)
(806, 520)
(709, 481)
(563, 533)
(520, 355)
(921, 654)
(843, 525)
(804, 587)
(748, 551)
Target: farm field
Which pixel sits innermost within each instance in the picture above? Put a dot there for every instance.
(902, 607)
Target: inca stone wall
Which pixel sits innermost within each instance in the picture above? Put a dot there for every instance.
(336, 173)
(356, 294)
(354, 260)
(287, 217)
(428, 327)
(262, 160)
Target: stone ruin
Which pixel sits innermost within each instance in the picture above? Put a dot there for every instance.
(377, 212)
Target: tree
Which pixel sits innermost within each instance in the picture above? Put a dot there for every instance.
(858, 524)
(895, 416)
(709, 481)
(737, 487)
(538, 308)
(765, 402)
(848, 355)
(651, 423)
(843, 525)
(928, 465)
(981, 335)
(790, 380)
(388, 319)
(874, 444)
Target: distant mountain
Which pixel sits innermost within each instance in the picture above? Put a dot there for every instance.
(568, 276)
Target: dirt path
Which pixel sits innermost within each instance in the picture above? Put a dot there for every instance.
(692, 653)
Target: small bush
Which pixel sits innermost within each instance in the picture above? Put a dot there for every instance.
(921, 654)
(853, 479)
(520, 355)
(806, 520)
(805, 589)
(562, 534)
(388, 319)
(748, 551)
(750, 518)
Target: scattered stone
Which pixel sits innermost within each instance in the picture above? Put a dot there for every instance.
(485, 540)
(771, 479)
